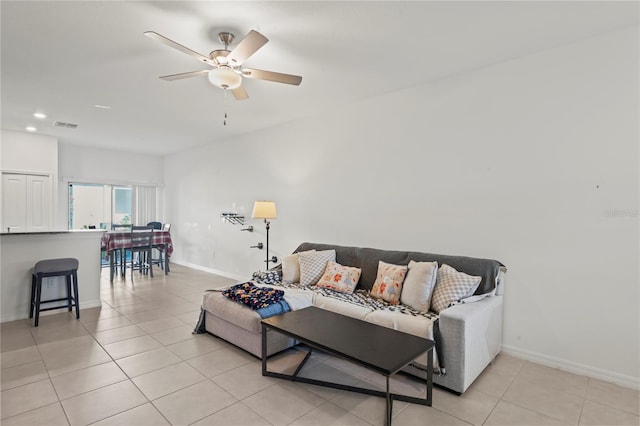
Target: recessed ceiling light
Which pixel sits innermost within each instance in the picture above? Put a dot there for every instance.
(30, 129)
(39, 115)
(102, 106)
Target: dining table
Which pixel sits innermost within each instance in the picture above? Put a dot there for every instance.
(116, 240)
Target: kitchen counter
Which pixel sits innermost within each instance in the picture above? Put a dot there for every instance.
(19, 252)
(65, 231)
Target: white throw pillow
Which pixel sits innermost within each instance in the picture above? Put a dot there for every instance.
(291, 268)
(313, 264)
(418, 285)
(451, 286)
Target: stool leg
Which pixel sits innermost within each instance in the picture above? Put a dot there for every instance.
(38, 297)
(69, 296)
(75, 293)
(33, 295)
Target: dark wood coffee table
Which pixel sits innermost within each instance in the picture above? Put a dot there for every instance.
(377, 348)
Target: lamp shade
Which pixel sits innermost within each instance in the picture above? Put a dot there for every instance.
(264, 210)
(225, 78)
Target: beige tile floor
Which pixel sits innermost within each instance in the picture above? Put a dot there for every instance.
(134, 362)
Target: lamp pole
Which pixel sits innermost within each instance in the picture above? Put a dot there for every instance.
(267, 224)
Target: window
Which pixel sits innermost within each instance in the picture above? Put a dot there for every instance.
(102, 205)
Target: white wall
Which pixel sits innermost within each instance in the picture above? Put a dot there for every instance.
(97, 165)
(28, 152)
(533, 162)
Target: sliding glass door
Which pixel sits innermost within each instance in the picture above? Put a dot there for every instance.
(98, 205)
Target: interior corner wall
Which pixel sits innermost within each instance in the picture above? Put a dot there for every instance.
(533, 162)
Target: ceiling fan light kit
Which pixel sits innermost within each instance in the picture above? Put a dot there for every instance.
(225, 78)
(227, 72)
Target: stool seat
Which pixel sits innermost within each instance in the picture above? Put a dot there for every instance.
(64, 267)
(55, 265)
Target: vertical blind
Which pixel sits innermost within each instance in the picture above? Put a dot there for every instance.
(145, 201)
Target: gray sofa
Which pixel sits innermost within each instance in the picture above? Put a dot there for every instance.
(470, 334)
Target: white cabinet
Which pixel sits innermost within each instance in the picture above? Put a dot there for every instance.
(27, 202)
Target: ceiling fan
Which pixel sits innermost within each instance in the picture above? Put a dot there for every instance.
(227, 72)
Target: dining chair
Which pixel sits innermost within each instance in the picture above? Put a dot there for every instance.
(120, 260)
(142, 246)
(159, 260)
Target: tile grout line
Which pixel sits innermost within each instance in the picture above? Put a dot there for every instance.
(128, 379)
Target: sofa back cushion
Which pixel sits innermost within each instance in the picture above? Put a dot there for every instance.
(367, 260)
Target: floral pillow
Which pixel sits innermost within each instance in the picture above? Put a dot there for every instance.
(340, 278)
(388, 284)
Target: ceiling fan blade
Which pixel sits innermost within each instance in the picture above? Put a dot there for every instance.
(278, 77)
(184, 75)
(239, 93)
(168, 42)
(247, 47)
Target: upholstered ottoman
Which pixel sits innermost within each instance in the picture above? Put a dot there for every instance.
(239, 325)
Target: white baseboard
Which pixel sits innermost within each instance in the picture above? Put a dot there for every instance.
(574, 367)
(18, 316)
(211, 270)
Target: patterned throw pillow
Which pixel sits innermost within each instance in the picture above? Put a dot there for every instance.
(418, 285)
(313, 264)
(340, 278)
(451, 286)
(291, 268)
(388, 284)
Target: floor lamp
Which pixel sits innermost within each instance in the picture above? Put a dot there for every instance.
(265, 210)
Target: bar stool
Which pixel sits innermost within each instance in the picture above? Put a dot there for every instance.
(66, 267)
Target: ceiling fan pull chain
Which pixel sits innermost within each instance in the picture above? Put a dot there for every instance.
(224, 101)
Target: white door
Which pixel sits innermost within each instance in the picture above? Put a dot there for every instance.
(38, 203)
(14, 202)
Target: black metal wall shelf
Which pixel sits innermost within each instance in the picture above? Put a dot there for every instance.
(232, 218)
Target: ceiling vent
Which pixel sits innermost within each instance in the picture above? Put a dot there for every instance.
(63, 124)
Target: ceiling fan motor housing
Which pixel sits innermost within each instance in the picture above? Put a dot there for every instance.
(219, 55)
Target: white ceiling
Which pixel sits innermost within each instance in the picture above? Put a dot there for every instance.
(64, 57)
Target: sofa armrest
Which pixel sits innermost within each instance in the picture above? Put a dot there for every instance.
(471, 338)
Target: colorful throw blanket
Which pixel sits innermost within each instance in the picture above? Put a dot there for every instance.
(253, 296)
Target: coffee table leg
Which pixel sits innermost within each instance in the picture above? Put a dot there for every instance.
(387, 419)
(264, 349)
(430, 377)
